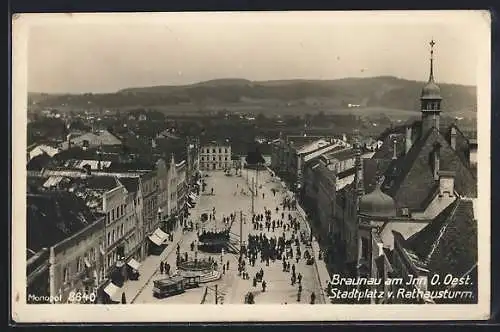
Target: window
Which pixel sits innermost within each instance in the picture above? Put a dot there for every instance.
(202, 158)
(113, 214)
(213, 150)
(107, 218)
(122, 230)
(79, 264)
(225, 158)
(66, 274)
(113, 237)
(220, 150)
(109, 239)
(220, 158)
(225, 150)
(213, 158)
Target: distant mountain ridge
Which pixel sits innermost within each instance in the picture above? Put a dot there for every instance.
(383, 91)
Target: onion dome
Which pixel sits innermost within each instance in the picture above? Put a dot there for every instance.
(431, 91)
(377, 204)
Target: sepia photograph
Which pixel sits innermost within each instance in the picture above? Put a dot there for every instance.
(251, 166)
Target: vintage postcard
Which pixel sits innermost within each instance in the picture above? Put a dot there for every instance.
(272, 166)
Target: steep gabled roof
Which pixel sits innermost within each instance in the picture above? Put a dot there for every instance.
(449, 243)
(131, 183)
(53, 217)
(411, 180)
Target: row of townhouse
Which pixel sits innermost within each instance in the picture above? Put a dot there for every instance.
(399, 212)
(124, 213)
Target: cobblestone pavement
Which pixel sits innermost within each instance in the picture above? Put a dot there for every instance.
(232, 195)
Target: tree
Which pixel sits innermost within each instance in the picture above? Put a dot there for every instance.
(254, 157)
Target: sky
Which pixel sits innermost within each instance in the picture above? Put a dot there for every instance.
(87, 53)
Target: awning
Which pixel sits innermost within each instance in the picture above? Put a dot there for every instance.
(161, 234)
(87, 263)
(192, 196)
(158, 237)
(198, 182)
(134, 264)
(113, 291)
(188, 205)
(155, 239)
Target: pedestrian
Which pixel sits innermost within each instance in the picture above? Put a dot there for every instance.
(161, 267)
(313, 298)
(227, 265)
(223, 269)
(298, 296)
(264, 286)
(254, 283)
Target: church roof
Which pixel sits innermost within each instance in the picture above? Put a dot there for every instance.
(410, 181)
(448, 244)
(431, 91)
(377, 204)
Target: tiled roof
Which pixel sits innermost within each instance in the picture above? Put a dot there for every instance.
(101, 182)
(449, 243)
(131, 166)
(299, 141)
(325, 173)
(131, 184)
(387, 149)
(39, 162)
(134, 144)
(410, 180)
(54, 216)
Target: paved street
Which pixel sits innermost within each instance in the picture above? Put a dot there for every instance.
(232, 195)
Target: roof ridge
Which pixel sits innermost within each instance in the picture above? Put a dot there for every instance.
(458, 155)
(408, 159)
(443, 229)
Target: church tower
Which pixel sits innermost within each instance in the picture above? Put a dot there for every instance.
(430, 99)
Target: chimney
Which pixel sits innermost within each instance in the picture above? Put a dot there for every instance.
(446, 183)
(453, 138)
(436, 157)
(394, 150)
(408, 139)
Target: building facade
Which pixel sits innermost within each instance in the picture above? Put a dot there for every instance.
(215, 156)
(66, 240)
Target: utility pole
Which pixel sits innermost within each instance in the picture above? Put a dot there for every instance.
(253, 195)
(216, 295)
(241, 230)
